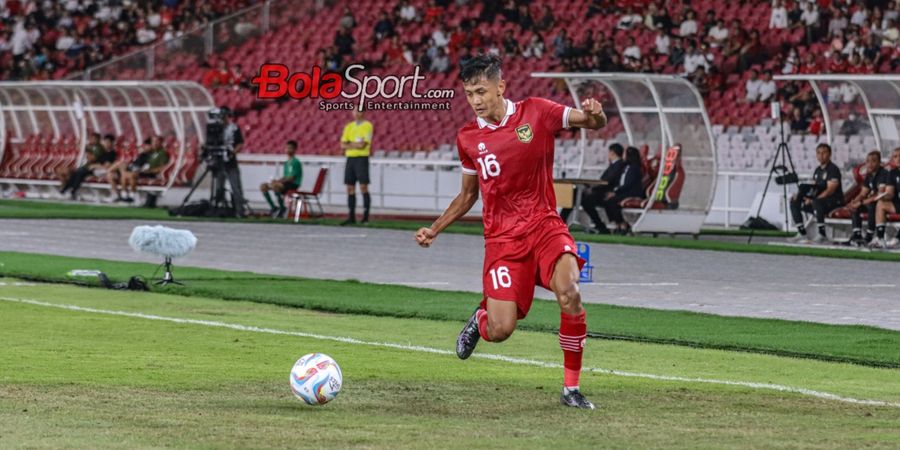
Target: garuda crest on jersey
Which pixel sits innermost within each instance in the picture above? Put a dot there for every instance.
(524, 133)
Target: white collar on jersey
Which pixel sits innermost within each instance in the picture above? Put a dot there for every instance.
(510, 110)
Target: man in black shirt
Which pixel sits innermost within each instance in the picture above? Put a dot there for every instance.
(824, 195)
(889, 204)
(867, 199)
(594, 196)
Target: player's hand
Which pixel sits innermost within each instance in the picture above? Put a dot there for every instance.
(425, 236)
(592, 107)
(807, 201)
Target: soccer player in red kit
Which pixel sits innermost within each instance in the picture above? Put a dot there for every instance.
(507, 152)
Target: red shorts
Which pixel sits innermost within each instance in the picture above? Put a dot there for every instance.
(512, 269)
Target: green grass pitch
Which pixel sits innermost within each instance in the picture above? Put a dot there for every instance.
(89, 368)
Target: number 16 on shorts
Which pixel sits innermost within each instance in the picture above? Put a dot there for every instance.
(500, 277)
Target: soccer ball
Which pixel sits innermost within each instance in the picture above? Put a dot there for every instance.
(316, 379)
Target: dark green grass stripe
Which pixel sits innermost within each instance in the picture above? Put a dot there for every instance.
(854, 344)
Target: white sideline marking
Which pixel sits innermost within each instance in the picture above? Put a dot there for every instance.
(854, 285)
(415, 283)
(418, 348)
(630, 284)
(18, 283)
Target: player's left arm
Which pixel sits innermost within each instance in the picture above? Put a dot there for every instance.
(590, 116)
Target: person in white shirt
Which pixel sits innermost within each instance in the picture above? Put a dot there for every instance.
(694, 59)
(441, 37)
(778, 20)
(688, 26)
(407, 11)
(535, 48)
(145, 36)
(662, 42)
(810, 15)
(859, 16)
(632, 50)
(838, 22)
(767, 88)
(65, 41)
(718, 34)
(753, 86)
(629, 20)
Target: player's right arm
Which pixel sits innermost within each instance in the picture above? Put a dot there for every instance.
(468, 195)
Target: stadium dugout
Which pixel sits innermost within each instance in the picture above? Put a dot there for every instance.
(876, 100)
(44, 126)
(663, 115)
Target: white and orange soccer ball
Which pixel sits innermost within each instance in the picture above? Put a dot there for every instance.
(316, 379)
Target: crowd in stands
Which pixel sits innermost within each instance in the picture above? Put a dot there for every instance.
(41, 40)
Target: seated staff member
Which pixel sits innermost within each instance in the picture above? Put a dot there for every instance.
(821, 197)
(148, 164)
(867, 199)
(630, 184)
(99, 167)
(889, 204)
(593, 196)
(291, 178)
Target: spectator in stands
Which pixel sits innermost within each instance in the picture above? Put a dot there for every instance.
(535, 48)
(810, 20)
(663, 20)
(629, 20)
(92, 152)
(688, 27)
(356, 141)
(441, 62)
(889, 204)
(810, 66)
(767, 89)
(694, 59)
(344, 41)
(799, 123)
(677, 54)
(629, 185)
(708, 24)
(511, 47)
(547, 21)
(816, 125)
(526, 22)
(821, 197)
(753, 86)
(148, 164)
(384, 28)
(867, 199)
(838, 22)
(718, 34)
(347, 21)
(406, 12)
(751, 53)
(291, 179)
(779, 18)
(218, 77)
(107, 157)
(632, 50)
(662, 42)
(594, 197)
(851, 126)
(736, 39)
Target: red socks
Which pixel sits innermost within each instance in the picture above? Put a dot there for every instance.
(572, 334)
(481, 317)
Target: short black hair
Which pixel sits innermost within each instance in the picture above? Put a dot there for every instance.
(292, 144)
(617, 149)
(109, 137)
(487, 66)
(825, 146)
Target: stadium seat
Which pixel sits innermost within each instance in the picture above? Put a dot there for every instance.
(299, 201)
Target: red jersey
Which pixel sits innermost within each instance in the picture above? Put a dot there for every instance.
(514, 165)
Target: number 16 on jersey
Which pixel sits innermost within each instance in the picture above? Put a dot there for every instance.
(489, 166)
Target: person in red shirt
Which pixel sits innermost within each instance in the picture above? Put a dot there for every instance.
(838, 64)
(507, 152)
(810, 66)
(219, 76)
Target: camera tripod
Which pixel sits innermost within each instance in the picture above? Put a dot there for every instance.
(783, 151)
(218, 200)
